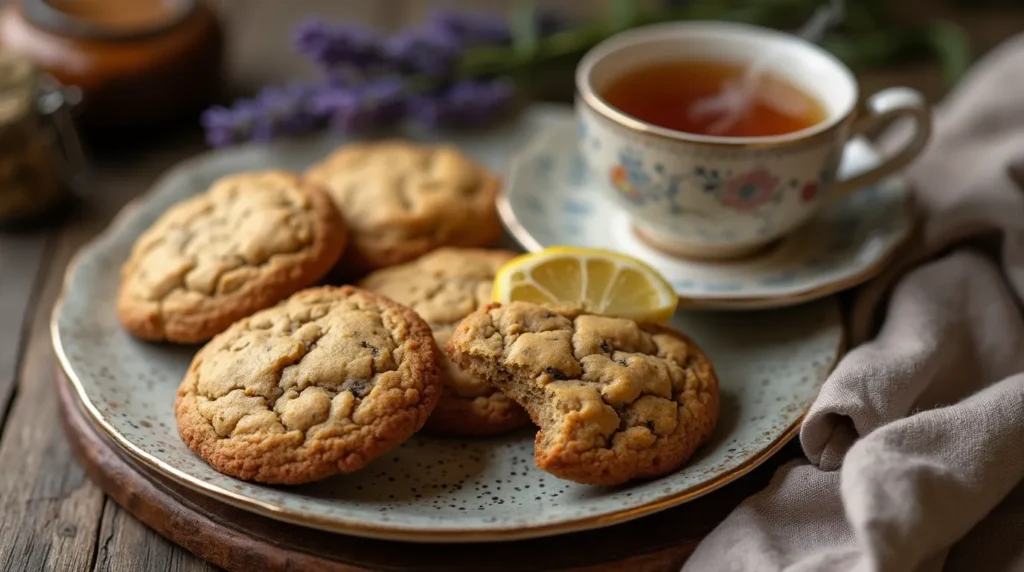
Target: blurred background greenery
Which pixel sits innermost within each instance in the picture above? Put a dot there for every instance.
(873, 34)
(924, 43)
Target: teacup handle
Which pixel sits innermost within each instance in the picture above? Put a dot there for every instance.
(882, 108)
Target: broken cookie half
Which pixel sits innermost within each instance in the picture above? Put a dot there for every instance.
(615, 400)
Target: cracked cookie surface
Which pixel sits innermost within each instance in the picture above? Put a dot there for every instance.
(403, 199)
(318, 385)
(615, 400)
(247, 242)
(443, 287)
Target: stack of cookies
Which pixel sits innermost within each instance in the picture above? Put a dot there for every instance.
(301, 378)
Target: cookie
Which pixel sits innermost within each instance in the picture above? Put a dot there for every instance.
(615, 400)
(443, 287)
(318, 385)
(403, 200)
(249, 241)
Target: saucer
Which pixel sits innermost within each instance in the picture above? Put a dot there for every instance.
(550, 199)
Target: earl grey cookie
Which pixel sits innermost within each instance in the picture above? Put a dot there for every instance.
(615, 400)
(443, 287)
(403, 199)
(249, 241)
(318, 385)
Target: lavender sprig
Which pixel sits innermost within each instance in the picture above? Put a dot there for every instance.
(334, 45)
(363, 107)
(424, 50)
(465, 103)
(370, 81)
(227, 125)
(288, 110)
(447, 71)
(275, 111)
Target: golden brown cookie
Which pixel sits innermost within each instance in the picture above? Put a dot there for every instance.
(318, 385)
(403, 200)
(615, 400)
(244, 244)
(443, 287)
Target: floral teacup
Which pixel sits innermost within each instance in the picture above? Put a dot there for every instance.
(719, 197)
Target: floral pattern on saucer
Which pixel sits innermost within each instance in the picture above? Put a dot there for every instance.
(551, 199)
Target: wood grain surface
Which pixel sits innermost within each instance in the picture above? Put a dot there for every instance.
(53, 517)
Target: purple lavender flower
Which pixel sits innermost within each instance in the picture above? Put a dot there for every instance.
(425, 50)
(333, 45)
(360, 108)
(219, 125)
(467, 103)
(228, 125)
(472, 28)
(285, 110)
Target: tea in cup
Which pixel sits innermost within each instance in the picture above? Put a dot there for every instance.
(701, 187)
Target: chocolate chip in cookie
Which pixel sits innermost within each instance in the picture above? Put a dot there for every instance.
(318, 385)
(443, 287)
(615, 400)
(249, 241)
(403, 199)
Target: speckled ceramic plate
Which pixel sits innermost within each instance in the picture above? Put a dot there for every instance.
(771, 365)
(550, 199)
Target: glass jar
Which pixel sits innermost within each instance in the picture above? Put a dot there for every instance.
(41, 159)
(138, 63)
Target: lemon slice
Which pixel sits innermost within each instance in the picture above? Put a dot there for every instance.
(598, 281)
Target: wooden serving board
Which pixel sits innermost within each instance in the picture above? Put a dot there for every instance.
(240, 541)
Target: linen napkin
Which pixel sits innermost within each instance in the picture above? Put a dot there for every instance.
(915, 445)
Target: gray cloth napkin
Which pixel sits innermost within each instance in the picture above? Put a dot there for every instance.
(916, 441)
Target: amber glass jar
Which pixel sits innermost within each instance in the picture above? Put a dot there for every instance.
(137, 62)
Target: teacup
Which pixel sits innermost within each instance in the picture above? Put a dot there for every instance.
(722, 197)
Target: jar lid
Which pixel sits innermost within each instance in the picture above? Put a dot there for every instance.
(108, 20)
(18, 81)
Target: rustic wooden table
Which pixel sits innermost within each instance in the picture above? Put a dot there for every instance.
(51, 516)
